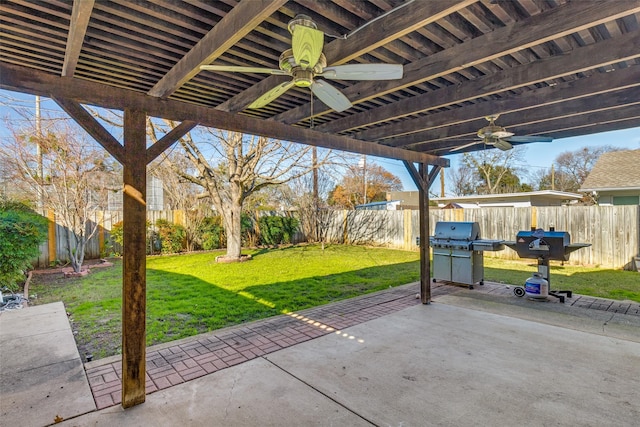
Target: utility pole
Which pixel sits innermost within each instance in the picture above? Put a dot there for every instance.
(553, 177)
(316, 200)
(363, 165)
(40, 183)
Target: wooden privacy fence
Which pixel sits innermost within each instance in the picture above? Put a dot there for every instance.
(613, 231)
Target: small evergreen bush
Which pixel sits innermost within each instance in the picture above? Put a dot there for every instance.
(212, 233)
(22, 231)
(275, 230)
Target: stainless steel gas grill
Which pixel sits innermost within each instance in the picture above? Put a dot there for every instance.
(544, 246)
(458, 252)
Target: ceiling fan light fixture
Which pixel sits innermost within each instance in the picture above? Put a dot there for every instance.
(302, 20)
(303, 78)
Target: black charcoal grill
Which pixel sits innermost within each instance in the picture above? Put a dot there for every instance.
(458, 252)
(545, 246)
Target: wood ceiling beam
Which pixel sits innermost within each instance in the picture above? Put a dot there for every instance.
(405, 132)
(519, 123)
(28, 80)
(396, 24)
(239, 22)
(554, 23)
(92, 127)
(579, 60)
(169, 139)
(562, 126)
(80, 15)
(570, 132)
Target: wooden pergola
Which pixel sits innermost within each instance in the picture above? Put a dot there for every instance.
(548, 67)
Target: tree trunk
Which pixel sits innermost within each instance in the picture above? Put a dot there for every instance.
(233, 228)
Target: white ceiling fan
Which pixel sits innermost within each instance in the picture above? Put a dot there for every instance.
(499, 137)
(304, 62)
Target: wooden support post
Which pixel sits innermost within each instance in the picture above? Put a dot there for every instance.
(425, 264)
(134, 261)
(423, 180)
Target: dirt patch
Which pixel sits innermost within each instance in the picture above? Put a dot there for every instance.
(223, 259)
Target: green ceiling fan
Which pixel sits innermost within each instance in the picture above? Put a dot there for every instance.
(499, 137)
(305, 62)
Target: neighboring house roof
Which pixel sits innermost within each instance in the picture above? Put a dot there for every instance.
(617, 170)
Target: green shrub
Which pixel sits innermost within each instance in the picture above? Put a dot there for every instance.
(21, 232)
(275, 230)
(172, 236)
(116, 234)
(212, 233)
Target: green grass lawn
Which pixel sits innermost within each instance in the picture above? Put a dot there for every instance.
(192, 294)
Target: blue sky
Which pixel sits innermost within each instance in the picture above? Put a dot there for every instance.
(539, 155)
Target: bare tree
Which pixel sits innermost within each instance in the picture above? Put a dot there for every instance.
(494, 170)
(77, 177)
(576, 165)
(182, 195)
(230, 166)
(463, 180)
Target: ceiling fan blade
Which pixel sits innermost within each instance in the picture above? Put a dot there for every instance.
(234, 69)
(529, 138)
(331, 96)
(502, 144)
(502, 134)
(271, 95)
(306, 44)
(363, 72)
(462, 147)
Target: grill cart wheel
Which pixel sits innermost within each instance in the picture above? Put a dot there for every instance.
(518, 291)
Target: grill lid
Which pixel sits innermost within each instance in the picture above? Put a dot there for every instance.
(467, 231)
(555, 245)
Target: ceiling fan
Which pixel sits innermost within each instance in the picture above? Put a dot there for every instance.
(499, 137)
(304, 62)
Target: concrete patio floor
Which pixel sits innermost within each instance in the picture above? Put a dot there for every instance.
(473, 357)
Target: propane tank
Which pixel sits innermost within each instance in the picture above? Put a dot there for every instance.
(536, 287)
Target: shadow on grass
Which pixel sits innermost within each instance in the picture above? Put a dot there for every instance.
(180, 305)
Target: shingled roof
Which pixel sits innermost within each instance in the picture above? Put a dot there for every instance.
(617, 170)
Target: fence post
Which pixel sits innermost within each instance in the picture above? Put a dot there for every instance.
(101, 248)
(534, 217)
(345, 231)
(408, 244)
(51, 215)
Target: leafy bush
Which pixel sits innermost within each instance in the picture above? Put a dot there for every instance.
(275, 230)
(117, 235)
(172, 236)
(22, 231)
(212, 233)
